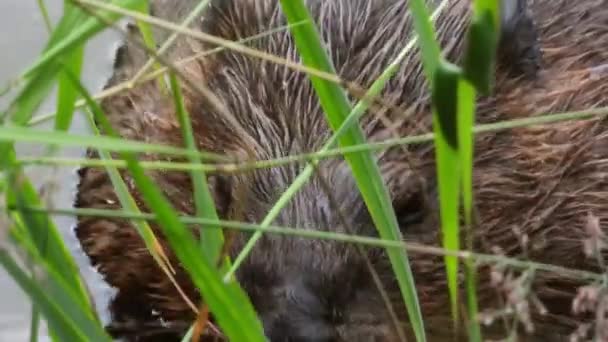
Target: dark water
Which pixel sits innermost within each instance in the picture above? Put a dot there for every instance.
(22, 35)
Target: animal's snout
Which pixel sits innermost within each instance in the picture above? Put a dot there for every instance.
(298, 315)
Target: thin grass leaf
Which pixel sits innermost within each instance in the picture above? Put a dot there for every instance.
(365, 170)
(79, 316)
(45, 237)
(43, 72)
(37, 88)
(25, 134)
(48, 278)
(148, 37)
(478, 73)
(45, 14)
(128, 202)
(67, 94)
(445, 110)
(124, 196)
(41, 230)
(193, 15)
(429, 47)
(229, 304)
(57, 321)
(480, 55)
(211, 240)
(80, 33)
(466, 117)
(34, 323)
(138, 79)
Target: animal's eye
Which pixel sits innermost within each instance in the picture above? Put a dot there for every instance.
(411, 210)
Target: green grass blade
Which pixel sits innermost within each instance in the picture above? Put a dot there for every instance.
(148, 37)
(73, 312)
(466, 118)
(122, 191)
(80, 33)
(480, 54)
(45, 14)
(478, 73)
(67, 95)
(34, 323)
(45, 236)
(57, 321)
(366, 172)
(25, 134)
(429, 47)
(211, 239)
(445, 110)
(70, 33)
(41, 230)
(37, 88)
(228, 303)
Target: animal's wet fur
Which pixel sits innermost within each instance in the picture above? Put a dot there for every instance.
(537, 181)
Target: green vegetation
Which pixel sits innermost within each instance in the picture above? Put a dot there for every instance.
(51, 278)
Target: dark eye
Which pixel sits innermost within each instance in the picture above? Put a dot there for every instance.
(411, 210)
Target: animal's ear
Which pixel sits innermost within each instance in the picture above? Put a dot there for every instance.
(519, 45)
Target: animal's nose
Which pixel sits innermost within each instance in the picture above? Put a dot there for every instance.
(293, 329)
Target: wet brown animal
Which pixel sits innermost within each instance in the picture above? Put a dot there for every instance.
(534, 183)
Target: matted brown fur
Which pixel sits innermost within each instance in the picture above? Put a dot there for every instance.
(541, 182)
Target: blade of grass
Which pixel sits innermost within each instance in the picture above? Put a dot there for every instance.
(152, 75)
(148, 38)
(483, 40)
(126, 200)
(67, 95)
(229, 168)
(43, 233)
(445, 102)
(466, 117)
(56, 319)
(37, 88)
(352, 118)
(25, 134)
(34, 323)
(80, 33)
(80, 311)
(67, 313)
(429, 47)
(478, 71)
(189, 19)
(70, 33)
(326, 234)
(229, 303)
(211, 240)
(365, 170)
(35, 314)
(45, 14)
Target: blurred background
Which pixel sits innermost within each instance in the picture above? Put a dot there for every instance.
(23, 34)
